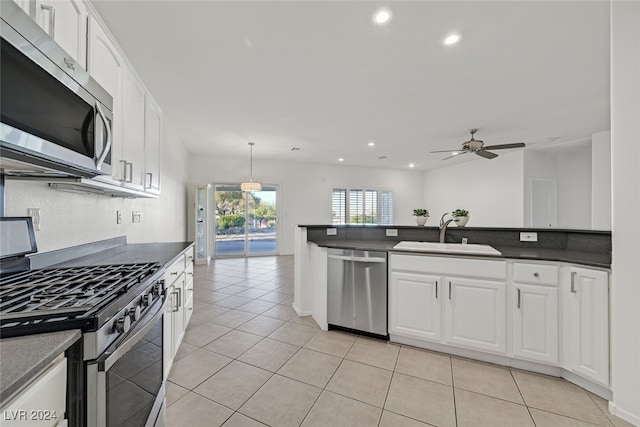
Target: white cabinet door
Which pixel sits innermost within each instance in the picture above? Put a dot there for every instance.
(66, 22)
(586, 326)
(475, 314)
(535, 323)
(107, 67)
(133, 131)
(188, 294)
(414, 306)
(152, 146)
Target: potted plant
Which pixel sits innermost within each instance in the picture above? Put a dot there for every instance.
(422, 215)
(460, 217)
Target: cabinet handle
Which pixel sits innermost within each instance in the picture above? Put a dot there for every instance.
(176, 293)
(536, 274)
(52, 19)
(130, 166)
(518, 305)
(573, 282)
(174, 273)
(436, 289)
(123, 166)
(150, 175)
(449, 290)
(69, 63)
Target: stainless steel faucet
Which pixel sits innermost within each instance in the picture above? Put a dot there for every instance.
(443, 226)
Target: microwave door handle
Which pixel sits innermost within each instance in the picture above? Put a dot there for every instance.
(107, 145)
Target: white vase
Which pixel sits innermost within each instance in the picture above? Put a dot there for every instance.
(421, 220)
(461, 221)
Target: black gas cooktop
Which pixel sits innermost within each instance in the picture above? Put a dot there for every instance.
(54, 299)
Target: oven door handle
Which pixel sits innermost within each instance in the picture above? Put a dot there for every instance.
(110, 357)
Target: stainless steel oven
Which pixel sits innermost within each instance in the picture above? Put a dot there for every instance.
(125, 383)
(55, 119)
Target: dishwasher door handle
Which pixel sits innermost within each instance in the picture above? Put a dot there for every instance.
(356, 258)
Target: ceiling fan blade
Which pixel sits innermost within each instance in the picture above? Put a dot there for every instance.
(443, 151)
(486, 154)
(503, 146)
(455, 155)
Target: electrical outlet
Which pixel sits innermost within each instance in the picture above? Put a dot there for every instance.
(528, 237)
(136, 217)
(332, 231)
(34, 213)
(465, 240)
(391, 232)
(118, 217)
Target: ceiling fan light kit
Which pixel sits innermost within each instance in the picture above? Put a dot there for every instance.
(476, 146)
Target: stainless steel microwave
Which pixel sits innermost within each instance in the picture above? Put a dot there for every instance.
(55, 119)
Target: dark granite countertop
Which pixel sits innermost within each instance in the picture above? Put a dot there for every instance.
(163, 253)
(594, 259)
(23, 357)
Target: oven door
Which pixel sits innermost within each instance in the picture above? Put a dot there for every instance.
(125, 385)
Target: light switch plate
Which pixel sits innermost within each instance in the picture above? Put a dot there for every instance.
(332, 231)
(391, 232)
(528, 237)
(136, 217)
(34, 213)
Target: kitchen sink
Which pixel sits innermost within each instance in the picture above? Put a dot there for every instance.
(454, 248)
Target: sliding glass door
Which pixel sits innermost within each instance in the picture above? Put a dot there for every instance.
(246, 223)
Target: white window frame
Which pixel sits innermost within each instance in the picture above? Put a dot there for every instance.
(345, 199)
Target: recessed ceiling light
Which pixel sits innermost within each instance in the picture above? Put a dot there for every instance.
(411, 165)
(382, 16)
(451, 39)
(455, 153)
(341, 159)
(371, 144)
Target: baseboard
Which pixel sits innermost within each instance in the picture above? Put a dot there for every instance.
(625, 415)
(300, 313)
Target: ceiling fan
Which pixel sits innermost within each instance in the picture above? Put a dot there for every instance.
(476, 146)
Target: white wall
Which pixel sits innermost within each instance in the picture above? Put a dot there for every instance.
(69, 219)
(625, 147)
(574, 187)
(304, 195)
(491, 190)
(601, 181)
(541, 165)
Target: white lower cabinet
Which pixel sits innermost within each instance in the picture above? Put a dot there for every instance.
(476, 314)
(585, 304)
(415, 299)
(454, 301)
(535, 312)
(179, 291)
(535, 323)
(41, 403)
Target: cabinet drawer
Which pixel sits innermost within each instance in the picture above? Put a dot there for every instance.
(174, 270)
(458, 266)
(537, 274)
(189, 256)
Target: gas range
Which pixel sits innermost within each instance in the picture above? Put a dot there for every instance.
(103, 301)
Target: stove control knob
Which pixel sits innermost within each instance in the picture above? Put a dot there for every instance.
(123, 324)
(135, 314)
(148, 299)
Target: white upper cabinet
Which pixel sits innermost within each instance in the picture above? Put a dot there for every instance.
(66, 22)
(585, 303)
(133, 132)
(152, 146)
(106, 65)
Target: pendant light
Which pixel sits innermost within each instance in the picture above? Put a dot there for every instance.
(250, 185)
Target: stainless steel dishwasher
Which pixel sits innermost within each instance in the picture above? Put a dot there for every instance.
(357, 291)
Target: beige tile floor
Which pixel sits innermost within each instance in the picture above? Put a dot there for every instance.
(248, 360)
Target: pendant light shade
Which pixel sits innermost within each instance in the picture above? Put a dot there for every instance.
(250, 185)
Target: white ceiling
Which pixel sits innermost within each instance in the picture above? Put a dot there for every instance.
(320, 76)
